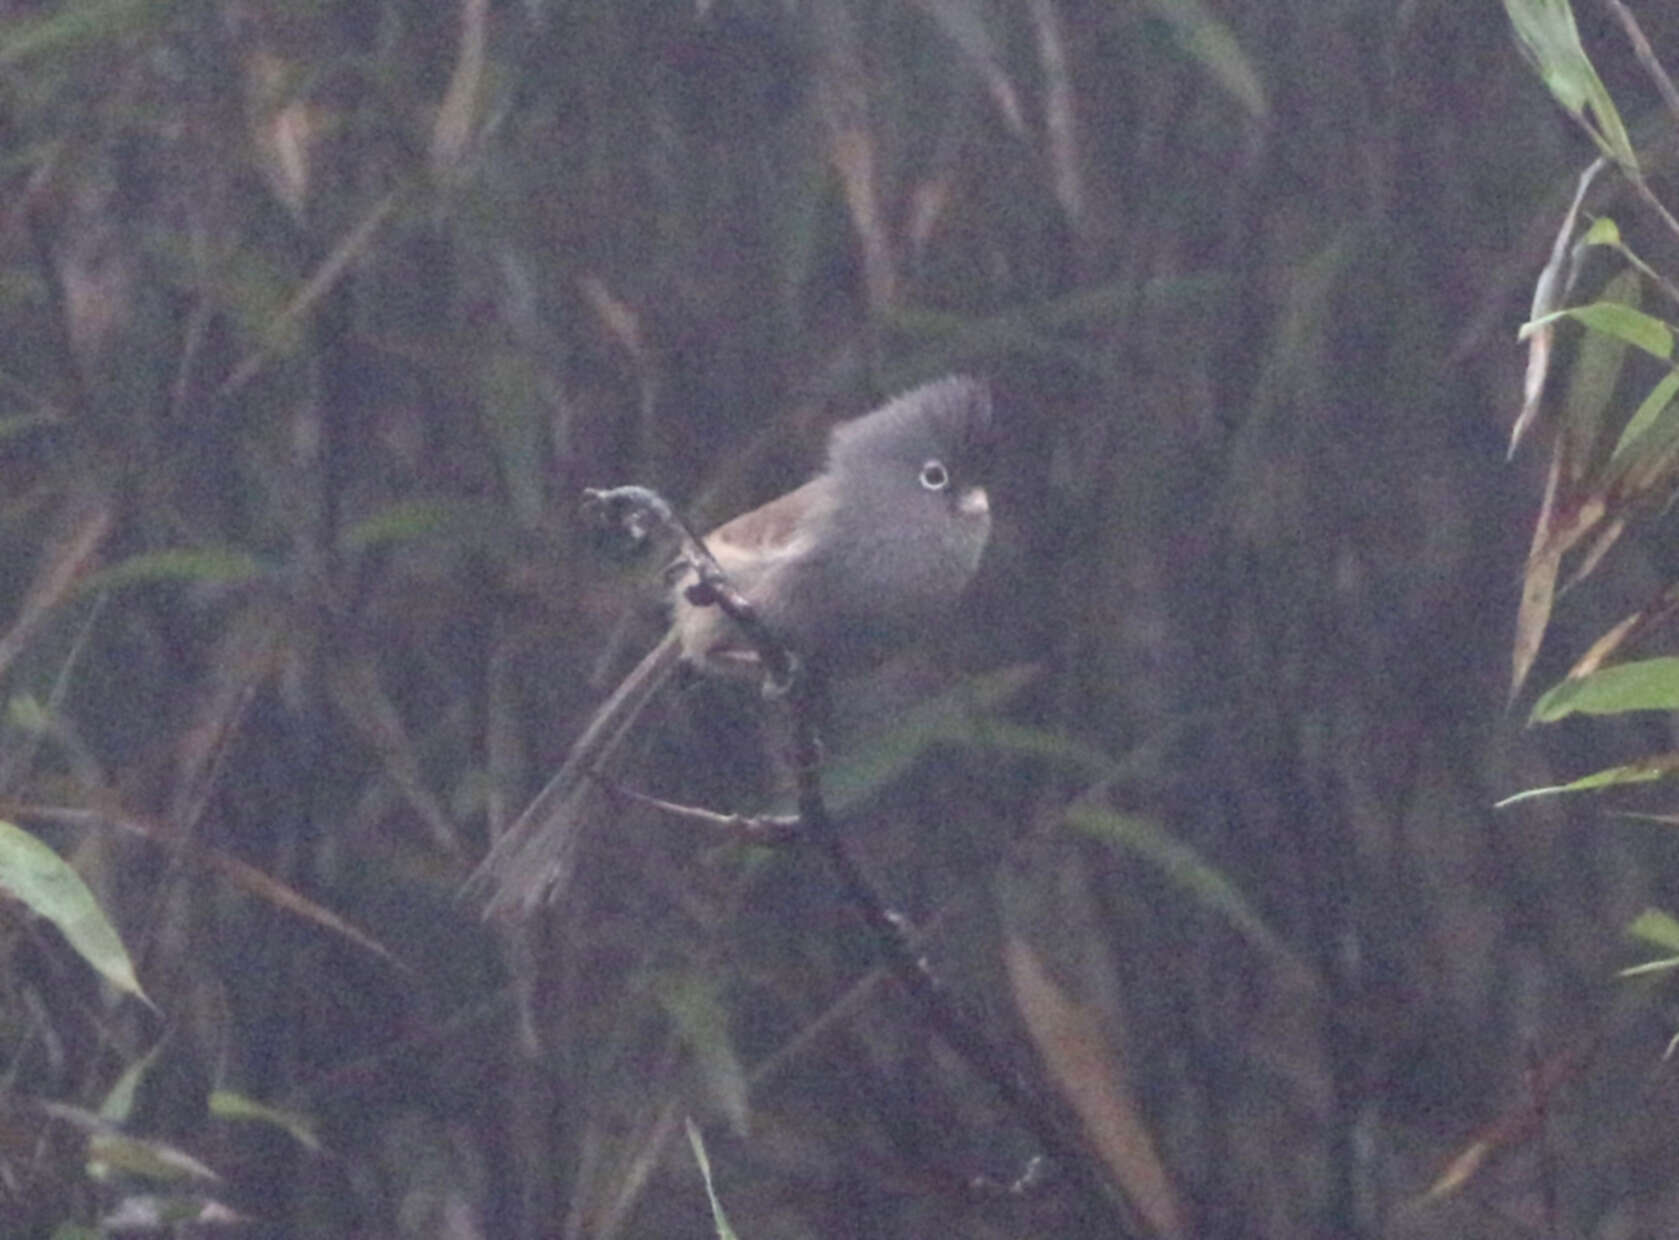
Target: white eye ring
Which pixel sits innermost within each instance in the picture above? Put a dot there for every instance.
(934, 476)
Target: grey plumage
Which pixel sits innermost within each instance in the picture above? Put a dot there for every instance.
(535, 856)
(846, 569)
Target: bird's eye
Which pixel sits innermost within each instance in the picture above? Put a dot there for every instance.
(934, 476)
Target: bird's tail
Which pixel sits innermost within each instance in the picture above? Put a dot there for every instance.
(534, 858)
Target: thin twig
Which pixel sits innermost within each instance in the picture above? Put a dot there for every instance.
(1670, 96)
(640, 511)
(775, 829)
(1646, 56)
(941, 1010)
(318, 285)
(1649, 196)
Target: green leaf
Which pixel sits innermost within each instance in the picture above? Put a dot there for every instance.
(697, 1143)
(1212, 45)
(1641, 772)
(1656, 928)
(1641, 330)
(39, 877)
(219, 564)
(25, 712)
(695, 1007)
(118, 1106)
(885, 758)
(110, 1150)
(1603, 231)
(964, 717)
(109, 1153)
(1551, 42)
(72, 26)
(1058, 328)
(398, 523)
(1649, 684)
(433, 522)
(956, 717)
(1652, 429)
(253, 288)
(226, 1104)
(515, 415)
(1597, 368)
(1182, 865)
(1665, 965)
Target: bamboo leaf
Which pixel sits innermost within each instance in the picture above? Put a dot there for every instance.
(1550, 291)
(1656, 928)
(1597, 370)
(1641, 772)
(187, 564)
(229, 1105)
(697, 1010)
(1551, 41)
(118, 1105)
(719, 1220)
(1563, 522)
(50, 888)
(1183, 865)
(1653, 427)
(71, 26)
(1080, 1059)
(1649, 684)
(1644, 331)
(1211, 43)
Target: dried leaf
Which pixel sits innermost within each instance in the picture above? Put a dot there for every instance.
(1555, 533)
(1060, 119)
(64, 563)
(1550, 290)
(1605, 646)
(242, 874)
(1088, 1072)
(283, 125)
(844, 106)
(1606, 538)
(1512, 1129)
(719, 1220)
(1639, 623)
(457, 115)
(968, 24)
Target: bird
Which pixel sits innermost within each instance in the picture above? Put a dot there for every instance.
(844, 571)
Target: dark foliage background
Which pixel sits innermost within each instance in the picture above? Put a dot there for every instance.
(316, 317)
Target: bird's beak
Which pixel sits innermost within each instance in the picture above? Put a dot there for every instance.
(973, 502)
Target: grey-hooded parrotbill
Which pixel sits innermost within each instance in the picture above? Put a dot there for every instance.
(845, 570)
